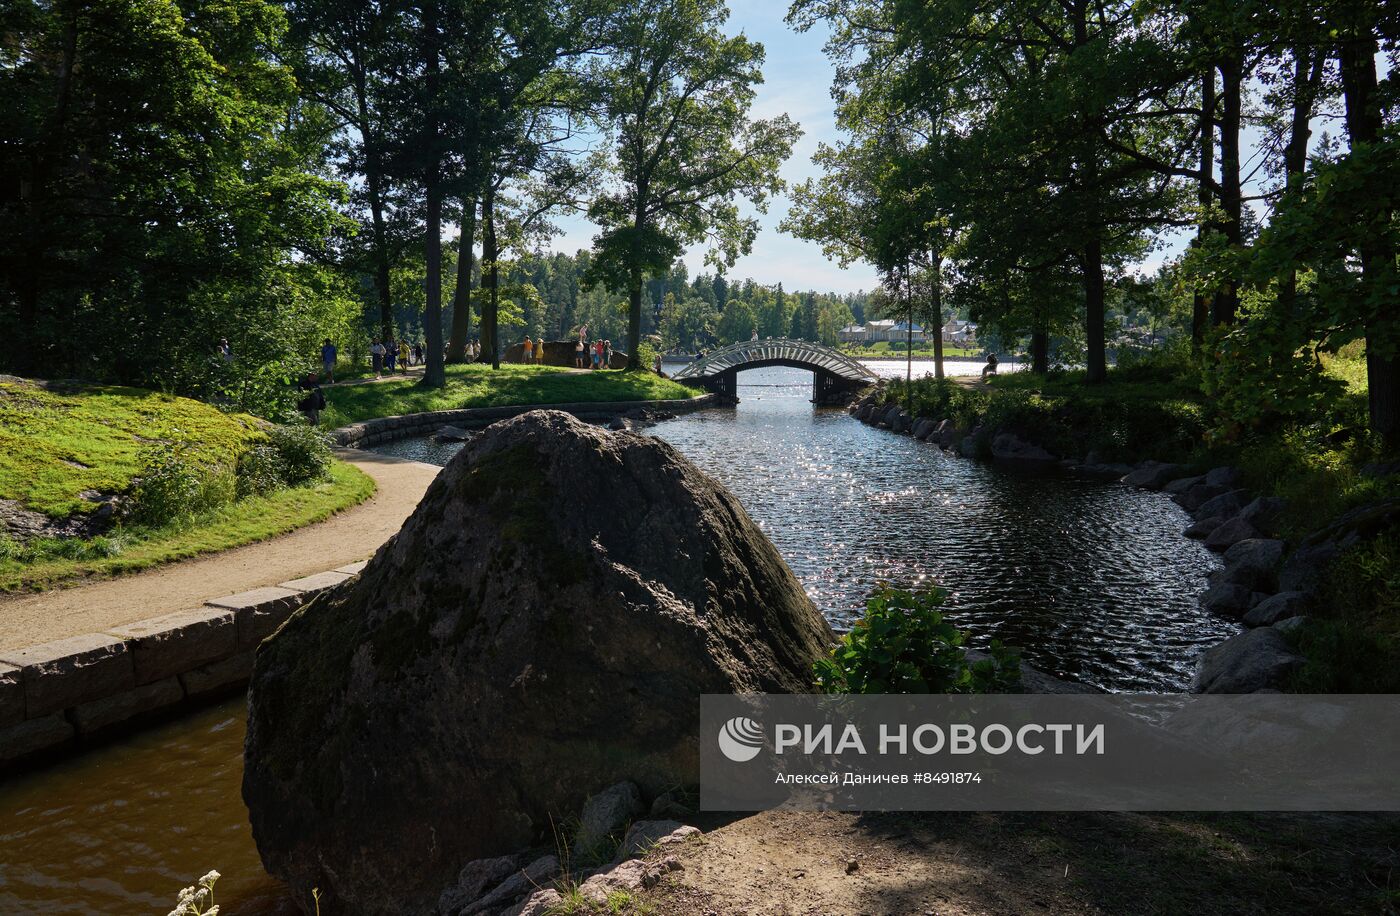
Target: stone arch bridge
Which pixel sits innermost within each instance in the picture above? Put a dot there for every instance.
(834, 374)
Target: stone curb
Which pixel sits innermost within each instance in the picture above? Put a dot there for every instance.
(57, 694)
(387, 429)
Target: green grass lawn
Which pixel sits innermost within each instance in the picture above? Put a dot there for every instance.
(477, 385)
(60, 441)
(47, 563)
(884, 349)
(57, 442)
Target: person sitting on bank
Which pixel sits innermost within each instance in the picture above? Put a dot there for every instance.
(991, 367)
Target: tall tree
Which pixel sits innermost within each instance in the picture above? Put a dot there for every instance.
(678, 92)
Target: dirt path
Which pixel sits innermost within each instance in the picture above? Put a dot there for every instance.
(898, 864)
(343, 538)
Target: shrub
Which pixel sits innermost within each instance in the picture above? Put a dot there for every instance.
(259, 471)
(174, 486)
(303, 451)
(903, 645)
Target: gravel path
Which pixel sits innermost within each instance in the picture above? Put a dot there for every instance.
(343, 538)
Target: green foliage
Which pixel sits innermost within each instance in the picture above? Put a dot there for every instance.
(1352, 641)
(1264, 372)
(304, 451)
(1140, 412)
(170, 175)
(176, 485)
(903, 645)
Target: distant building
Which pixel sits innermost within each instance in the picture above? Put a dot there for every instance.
(962, 333)
(901, 333)
(876, 331)
(851, 333)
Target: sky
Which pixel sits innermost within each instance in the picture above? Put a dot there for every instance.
(797, 82)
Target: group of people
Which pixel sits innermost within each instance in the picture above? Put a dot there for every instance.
(595, 355)
(534, 351)
(388, 355)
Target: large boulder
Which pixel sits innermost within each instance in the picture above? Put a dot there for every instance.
(540, 629)
(1254, 660)
(1012, 449)
(1154, 475)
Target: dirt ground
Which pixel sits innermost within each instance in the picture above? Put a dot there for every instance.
(344, 538)
(907, 864)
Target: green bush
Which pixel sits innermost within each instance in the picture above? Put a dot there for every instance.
(903, 645)
(303, 451)
(260, 471)
(174, 486)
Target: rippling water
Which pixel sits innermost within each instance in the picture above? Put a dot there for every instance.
(1093, 580)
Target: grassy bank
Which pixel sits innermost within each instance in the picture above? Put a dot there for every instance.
(1134, 415)
(58, 442)
(189, 479)
(884, 349)
(50, 562)
(476, 385)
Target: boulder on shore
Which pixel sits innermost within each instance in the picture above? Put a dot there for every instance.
(1254, 660)
(539, 630)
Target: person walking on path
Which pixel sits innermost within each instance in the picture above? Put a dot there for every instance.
(328, 355)
(528, 353)
(391, 353)
(607, 354)
(403, 356)
(376, 356)
(578, 353)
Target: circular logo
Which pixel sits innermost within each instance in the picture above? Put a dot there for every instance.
(740, 739)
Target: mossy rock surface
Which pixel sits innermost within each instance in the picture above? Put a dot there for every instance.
(541, 628)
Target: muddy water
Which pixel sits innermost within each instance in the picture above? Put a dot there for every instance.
(122, 828)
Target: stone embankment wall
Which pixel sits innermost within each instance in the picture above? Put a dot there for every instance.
(387, 429)
(61, 694)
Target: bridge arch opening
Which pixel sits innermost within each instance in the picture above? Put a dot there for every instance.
(835, 375)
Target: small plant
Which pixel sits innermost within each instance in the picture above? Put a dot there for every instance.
(198, 900)
(903, 645)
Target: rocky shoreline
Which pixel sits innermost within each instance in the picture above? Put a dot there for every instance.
(1263, 584)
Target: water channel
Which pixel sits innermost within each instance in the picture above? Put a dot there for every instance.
(1093, 580)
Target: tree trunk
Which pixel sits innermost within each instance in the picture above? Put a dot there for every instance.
(1096, 359)
(1232, 196)
(909, 354)
(1306, 73)
(433, 374)
(462, 296)
(490, 279)
(1040, 351)
(634, 322)
(937, 281)
(1363, 116)
(1201, 302)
